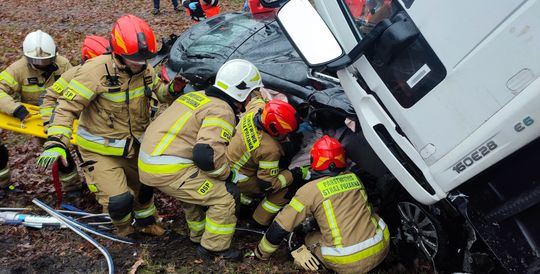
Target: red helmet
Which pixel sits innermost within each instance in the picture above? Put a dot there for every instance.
(327, 154)
(279, 118)
(94, 46)
(132, 38)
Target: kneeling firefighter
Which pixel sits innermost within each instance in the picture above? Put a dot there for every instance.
(255, 152)
(351, 238)
(111, 94)
(183, 155)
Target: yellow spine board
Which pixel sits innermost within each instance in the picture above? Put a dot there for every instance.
(31, 126)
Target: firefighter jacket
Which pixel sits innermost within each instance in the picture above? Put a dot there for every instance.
(350, 230)
(195, 129)
(24, 80)
(112, 104)
(53, 92)
(254, 154)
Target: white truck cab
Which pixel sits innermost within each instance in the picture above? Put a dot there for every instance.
(447, 94)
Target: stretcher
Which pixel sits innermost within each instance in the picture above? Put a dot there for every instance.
(32, 125)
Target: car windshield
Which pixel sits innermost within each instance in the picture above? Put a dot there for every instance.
(222, 40)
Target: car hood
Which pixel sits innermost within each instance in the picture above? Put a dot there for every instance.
(201, 50)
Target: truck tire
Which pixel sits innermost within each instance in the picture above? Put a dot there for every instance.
(429, 232)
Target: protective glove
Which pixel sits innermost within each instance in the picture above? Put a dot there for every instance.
(176, 88)
(301, 173)
(304, 258)
(304, 127)
(193, 6)
(21, 113)
(232, 177)
(301, 176)
(291, 147)
(50, 155)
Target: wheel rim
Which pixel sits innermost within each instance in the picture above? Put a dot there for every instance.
(418, 228)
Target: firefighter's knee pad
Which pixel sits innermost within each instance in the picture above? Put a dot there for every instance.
(203, 157)
(4, 156)
(145, 194)
(275, 233)
(120, 205)
(235, 192)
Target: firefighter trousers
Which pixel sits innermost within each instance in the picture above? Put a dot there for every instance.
(115, 182)
(270, 205)
(213, 228)
(312, 241)
(5, 173)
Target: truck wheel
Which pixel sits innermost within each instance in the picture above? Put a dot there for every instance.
(422, 229)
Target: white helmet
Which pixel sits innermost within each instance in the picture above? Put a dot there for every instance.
(237, 78)
(39, 48)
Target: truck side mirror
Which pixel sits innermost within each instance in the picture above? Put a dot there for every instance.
(309, 34)
(399, 35)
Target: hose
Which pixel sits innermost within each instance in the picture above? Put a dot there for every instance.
(63, 220)
(249, 230)
(90, 229)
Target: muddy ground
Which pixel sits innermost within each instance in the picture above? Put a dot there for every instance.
(52, 250)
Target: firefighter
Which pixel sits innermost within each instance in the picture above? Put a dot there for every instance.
(92, 46)
(110, 94)
(351, 238)
(27, 78)
(199, 10)
(255, 152)
(183, 155)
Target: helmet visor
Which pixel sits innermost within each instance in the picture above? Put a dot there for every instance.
(40, 61)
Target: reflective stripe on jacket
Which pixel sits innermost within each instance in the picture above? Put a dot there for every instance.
(254, 154)
(192, 119)
(350, 230)
(23, 79)
(112, 111)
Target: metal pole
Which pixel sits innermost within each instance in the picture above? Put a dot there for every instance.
(57, 215)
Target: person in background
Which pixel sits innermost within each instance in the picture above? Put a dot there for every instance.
(201, 9)
(156, 11)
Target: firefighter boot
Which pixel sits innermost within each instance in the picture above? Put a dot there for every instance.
(230, 254)
(124, 230)
(153, 229)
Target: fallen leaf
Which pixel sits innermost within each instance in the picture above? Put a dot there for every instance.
(136, 265)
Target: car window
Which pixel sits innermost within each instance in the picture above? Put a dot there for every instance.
(223, 39)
